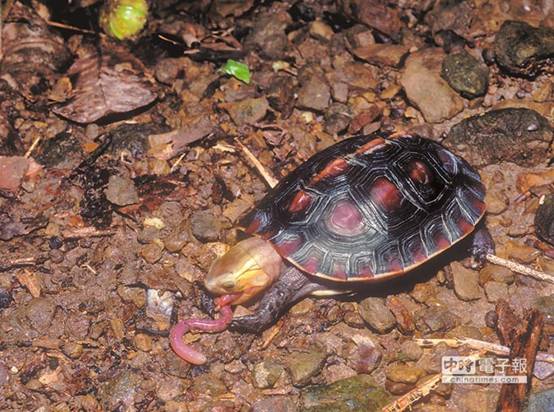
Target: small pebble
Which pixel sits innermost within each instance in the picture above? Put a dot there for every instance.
(143, 342)
(121, 191)
(491, 319)
(302, 307)
(159, 305)
(72, 349)
(55, 242)
(304, 365)
(496, 291)
(435, 319)
(398, 388)
(404, 373)
(376, 314)
(409, 350)
(321, 30)
(56, 256)
(205, 226)
(5, 298)
(247, 111)
(151, 252)
(367, 356)
(134, 295)
(466, 282)
(265, 374)
(315, 93)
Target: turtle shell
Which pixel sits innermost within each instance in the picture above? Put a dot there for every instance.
(370, 207)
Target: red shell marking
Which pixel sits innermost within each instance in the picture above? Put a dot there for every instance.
(370, 146)
(345, 219)
(464, 225)
(311, 264)
(370, 207)
(300, 201)
(335, 167)
(441, 241)
(253, 226)
(385, 194)
(419, 172)
(289, 246)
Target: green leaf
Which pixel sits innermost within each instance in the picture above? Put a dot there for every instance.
(237, 69)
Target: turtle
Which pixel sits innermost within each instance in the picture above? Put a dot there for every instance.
(366, 209)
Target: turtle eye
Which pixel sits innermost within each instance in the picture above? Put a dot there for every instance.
(228, 284)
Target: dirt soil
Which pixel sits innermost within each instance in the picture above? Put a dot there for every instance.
(122, 178)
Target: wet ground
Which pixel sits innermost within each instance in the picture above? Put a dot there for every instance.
(110, 223)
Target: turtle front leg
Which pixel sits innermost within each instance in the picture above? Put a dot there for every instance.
(483, 245)
(289, 287)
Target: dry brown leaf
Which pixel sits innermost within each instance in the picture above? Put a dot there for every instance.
(31, 281)
(111, 83)
(167, 145)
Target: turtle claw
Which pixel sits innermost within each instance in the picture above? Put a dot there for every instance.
(483, 245)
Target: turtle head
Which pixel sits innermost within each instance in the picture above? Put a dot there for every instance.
(246, 270)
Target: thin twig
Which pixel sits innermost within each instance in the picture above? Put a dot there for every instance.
(522, 269)
(68, 27)
(177, 163)
(223, 147)
(21, 262)
(167, 39)
(33, 145)
(270, 180)
(480, 345)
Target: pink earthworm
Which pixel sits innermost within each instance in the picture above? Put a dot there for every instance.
(185, 351)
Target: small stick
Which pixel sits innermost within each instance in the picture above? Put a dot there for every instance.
(522, 269)
(33, 145)
(68, 27)
(16, 263)
(177, 163)
(222, 147)
(270, 180)
(167, 39)
(479, 344)
(89, 267)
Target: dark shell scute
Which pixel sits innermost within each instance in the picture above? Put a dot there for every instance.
(370, 207)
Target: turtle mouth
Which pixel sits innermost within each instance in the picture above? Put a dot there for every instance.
(226, 300)
(238, 298)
